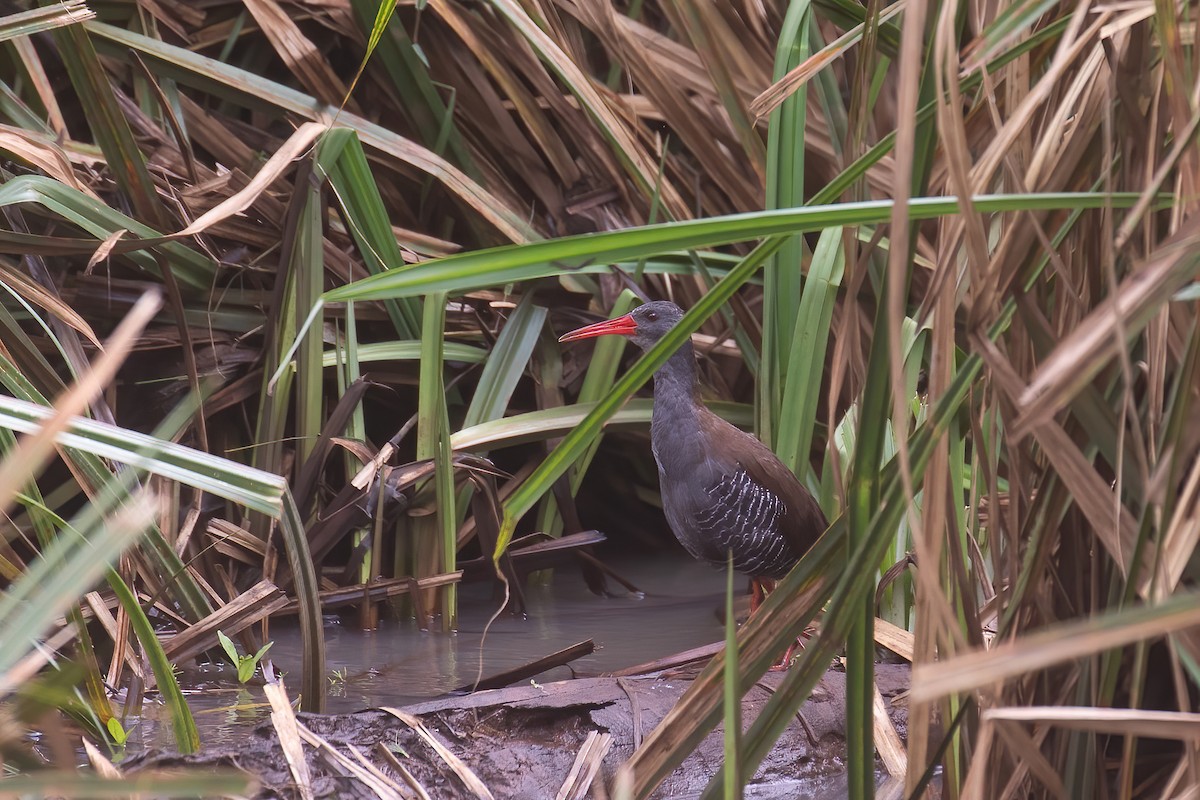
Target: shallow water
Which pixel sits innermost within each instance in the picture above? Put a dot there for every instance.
(400, 664)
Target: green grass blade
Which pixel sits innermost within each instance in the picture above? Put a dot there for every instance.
(357, 193)
(732, 702)
(94, 473)
(306, 273)
(407, 351)
(183, 726)
(254, 489)
(66, 569)
(39, 20)
(307, 589)
(419, 97)
(516, 263)
(98, 219)
(507, 362)
(548, 423)
(108, 123)
(802, 385)
(435, 540)
(785, 189)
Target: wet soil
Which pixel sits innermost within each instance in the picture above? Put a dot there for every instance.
(522, 741)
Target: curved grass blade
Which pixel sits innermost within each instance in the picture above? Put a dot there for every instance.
(362, 206)
(406, 351)
(397, 55)
(386, 7)
(551, 258)
(187, 738)
(806, 353)
(255, 489)
(189, 266)
(312, 631)
(547, 423)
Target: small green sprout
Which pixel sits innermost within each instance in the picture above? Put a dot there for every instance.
(245, 664)
(117, 731)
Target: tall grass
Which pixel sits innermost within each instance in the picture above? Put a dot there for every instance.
(952, 245)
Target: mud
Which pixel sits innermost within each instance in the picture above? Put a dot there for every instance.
(522, 741)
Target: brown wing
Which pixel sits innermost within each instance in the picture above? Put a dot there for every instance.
(802, 521)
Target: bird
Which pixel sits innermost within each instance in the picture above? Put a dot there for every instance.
(724, 492)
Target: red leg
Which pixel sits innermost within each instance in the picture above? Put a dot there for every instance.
(759, 589)
(786, 661)
(758, 593)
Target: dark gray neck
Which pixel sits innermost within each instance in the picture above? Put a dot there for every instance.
(675, 381)
(674, 429)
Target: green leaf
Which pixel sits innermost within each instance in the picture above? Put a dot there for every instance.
(229, 647)
(261, 491)
(116, 731)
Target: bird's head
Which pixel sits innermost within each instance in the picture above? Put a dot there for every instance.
(644, 326)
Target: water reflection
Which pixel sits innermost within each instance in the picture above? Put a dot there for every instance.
(400, 664)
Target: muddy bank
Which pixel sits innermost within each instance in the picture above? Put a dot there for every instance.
(522, 742)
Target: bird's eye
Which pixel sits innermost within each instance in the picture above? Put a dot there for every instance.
(651, 315)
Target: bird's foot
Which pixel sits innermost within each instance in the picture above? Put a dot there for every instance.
(786, 661)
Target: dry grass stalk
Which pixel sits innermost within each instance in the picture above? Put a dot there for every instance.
(302, 57)
(385, 789)
(894, 638)
(253, 605)
(395, 763)
(887, 741)
(100, 763)
(283, 717)
(379, 589)
(464, 773)
(375, 771)
(33, 450)
(1033, 652)
(1121, 721)
(587, 764)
